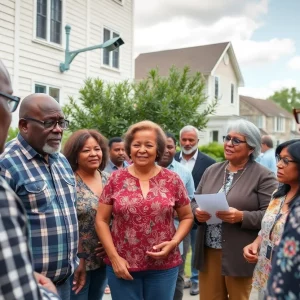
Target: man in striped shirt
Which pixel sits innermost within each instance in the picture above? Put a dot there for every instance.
(43, 179)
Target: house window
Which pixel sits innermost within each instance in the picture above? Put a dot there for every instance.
(293, 125)
(259, 121)
(279, 124)
(232, 93)
(49, 20)
(46, 89)
(216, 87)
(215, 136)
(111, 58)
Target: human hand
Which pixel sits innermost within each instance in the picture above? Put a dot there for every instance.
(250, 253)
(162, 250)
(231, 216)
(45, 282)
(121, 266)
(100, 251)
(201, 215)
(79, 277)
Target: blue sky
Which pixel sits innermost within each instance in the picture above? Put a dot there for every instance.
(281, 21)
(263, 33)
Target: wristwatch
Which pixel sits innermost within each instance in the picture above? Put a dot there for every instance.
(82, 255)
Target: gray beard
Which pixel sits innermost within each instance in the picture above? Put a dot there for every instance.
(188, 152)
(51, 150)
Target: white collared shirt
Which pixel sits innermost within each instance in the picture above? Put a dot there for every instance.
(189, 164)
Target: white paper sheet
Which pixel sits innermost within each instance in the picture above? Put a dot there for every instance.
(212, 203)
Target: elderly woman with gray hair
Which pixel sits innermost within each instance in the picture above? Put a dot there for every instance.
(224, 273)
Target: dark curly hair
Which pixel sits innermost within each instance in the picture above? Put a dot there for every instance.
(76, 142)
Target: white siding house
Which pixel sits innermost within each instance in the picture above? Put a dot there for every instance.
(32, 34)
(218, 65)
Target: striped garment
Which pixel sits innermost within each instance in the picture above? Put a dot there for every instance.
(47, 191)
(16, 273)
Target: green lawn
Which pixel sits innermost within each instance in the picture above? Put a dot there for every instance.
(187, 267)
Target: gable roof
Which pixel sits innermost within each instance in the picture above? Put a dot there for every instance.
(266, 107)
(202, 59)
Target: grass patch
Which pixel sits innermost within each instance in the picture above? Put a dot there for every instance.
(187, 267)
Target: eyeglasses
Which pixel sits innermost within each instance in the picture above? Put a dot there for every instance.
(234, 141)
(51, 124)
(284, 160)
(13, 101)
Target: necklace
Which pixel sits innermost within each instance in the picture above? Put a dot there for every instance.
(138, 175)
(233, 184)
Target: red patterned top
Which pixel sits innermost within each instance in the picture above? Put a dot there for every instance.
(138, 223)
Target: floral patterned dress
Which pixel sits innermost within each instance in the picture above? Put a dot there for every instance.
(87, 204)
(271, 230)
(140, 223)
(284, 280)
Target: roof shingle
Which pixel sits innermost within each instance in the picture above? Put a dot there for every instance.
(200, 59)
(267, 107)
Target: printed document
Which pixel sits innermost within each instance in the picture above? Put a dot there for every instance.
(212, 203)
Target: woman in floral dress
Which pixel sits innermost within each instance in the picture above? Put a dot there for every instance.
(142, 246)
(262, 249)
(87, 153)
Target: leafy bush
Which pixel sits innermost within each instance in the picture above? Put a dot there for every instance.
(171, 102)
(213, 150)
(12, 133)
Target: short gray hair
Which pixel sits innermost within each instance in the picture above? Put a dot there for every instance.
(251, 133)
(189, 128)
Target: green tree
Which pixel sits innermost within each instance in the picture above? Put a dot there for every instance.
(12, 133)
(214, 150)
(105, 107)
(287, 98)
(172, 102)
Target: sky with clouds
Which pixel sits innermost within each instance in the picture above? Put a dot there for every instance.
(264, 34)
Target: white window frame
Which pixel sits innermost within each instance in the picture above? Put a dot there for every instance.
(48, 23)
(217, 96)
(293, 125)
(232, 91)
(47, 86)
(259, 121)
(281, 125)
(110, 65)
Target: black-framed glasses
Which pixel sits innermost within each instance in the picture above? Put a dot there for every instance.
(12, 101)
(284, 160)
(234, 140)
(50, 124)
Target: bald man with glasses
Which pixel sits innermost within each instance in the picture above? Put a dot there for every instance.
(43, 179)
(17, 278)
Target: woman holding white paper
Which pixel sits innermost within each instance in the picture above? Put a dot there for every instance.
(248, 187)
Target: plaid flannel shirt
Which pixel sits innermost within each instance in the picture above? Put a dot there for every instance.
(16, 274)
(47, 191)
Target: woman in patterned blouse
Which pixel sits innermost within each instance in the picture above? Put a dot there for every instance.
(142, 246)
(87, 153)
(261, 250)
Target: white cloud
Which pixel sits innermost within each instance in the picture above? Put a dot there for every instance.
(294, 63)
(267, 91)
(253, 52)
(170, 24)
(203, 12)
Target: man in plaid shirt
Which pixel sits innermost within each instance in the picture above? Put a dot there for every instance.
(17, 280)
(43, 179)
